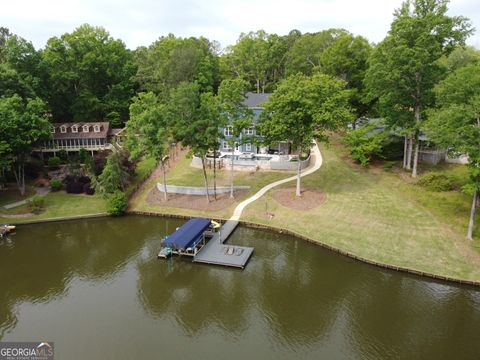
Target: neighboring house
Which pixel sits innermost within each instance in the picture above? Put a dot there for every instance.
(91, 136)
(428, 151)
(254, 102)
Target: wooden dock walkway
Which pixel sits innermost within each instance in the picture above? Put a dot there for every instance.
(217, 253)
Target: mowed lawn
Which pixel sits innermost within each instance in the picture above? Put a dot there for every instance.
(184, 175)
(380, 216)
(60, 204)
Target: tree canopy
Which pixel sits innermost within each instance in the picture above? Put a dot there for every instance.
(89, 76)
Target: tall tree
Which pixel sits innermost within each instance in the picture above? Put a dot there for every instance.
(22, 125)
(404, 67)
(305, 53)
(90, 75)
(114, 176)
(456, 124)
(196, 122)
(235, 113)
(304, 108)
(347, 59)
(147, 130)
(171, 60)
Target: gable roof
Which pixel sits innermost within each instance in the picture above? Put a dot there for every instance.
(255, 100)
(104, 128)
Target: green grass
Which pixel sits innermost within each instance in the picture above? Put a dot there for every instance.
(12, 195)
(184, 175)
(60, 204)
(380, 216)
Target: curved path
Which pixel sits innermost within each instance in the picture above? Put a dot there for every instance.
(311, 169)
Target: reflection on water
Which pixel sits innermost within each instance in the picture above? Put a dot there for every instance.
(98, 284)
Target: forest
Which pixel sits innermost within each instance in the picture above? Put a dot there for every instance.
(421, 80)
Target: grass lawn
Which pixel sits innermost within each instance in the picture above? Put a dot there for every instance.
(380, 216)
(59, 204)
(184, 175)
(12, 194)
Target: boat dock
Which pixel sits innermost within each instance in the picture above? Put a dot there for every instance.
(216, 252)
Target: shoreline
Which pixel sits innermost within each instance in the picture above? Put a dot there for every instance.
(276, 230)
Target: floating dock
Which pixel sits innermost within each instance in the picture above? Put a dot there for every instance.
(216, 252)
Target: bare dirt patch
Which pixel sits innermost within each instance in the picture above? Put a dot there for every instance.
(310, 198)
(194, 202)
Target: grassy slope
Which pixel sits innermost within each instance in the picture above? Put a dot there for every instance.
(182, 174)
(60, 204)
(383, 218)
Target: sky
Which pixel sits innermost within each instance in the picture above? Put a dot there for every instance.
(140, 22)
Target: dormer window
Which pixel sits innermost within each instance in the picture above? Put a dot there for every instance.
(86, 128)
(52, 129)
(96, 128)
(74, 129)
(63, 129)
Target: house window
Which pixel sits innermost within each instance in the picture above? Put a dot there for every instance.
(86, 128)
(226, 146)
(96, 128)
(248, 147)
(63, 129)
(74, 129)
(52, 130)
(250, 130)
(228, 131)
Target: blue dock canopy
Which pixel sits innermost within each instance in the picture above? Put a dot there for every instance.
(188, 234)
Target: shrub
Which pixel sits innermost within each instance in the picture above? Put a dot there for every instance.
(36, 204)
(87, 189)
(54, 162)
(435, 181)
(84, 179)
(83, 155)
(55, 184)
(117, 203)
(63, 155)
(74, 187)
(364, 143)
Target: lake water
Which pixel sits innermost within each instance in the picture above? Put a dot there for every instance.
(96, 289)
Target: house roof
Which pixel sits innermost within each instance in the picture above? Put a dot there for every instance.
(104, 130)
(254, 100)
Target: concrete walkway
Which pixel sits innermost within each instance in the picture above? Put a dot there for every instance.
(237, 213)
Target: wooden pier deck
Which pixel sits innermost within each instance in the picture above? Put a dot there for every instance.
(217, 253)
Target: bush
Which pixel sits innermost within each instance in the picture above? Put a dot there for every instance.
(435, 181)
(87, 189)
(83, 156)
(55, 184)
(63, 155)
(365, 143)
(74, 187)
(117, 203)
(54, 162)
(84, 179)
(36, 204)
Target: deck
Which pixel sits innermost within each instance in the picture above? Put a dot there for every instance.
(217, 253)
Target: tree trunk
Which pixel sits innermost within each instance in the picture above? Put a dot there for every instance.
(258, 86)
(205, 179)
(409, 155)
(472, 216)
(215, 175)
(415, 158)
(164, 182)
(405, 151)
(20, 177)
(231, 171)
(299, 171)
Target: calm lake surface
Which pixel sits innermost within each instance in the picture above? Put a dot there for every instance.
(96, 289)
